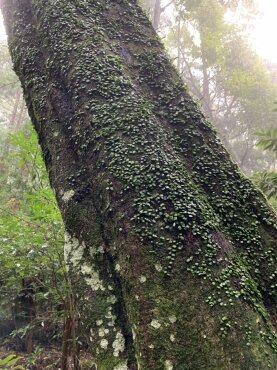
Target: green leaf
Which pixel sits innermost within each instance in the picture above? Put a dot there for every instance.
(6, 360)
(268, 139)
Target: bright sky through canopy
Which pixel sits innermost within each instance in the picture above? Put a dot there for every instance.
(263, 34)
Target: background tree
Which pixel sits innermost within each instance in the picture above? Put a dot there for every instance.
(167, 268)
(267, 180)
(235, 88)
(13, 110)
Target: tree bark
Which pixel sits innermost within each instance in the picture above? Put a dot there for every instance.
(171, 250)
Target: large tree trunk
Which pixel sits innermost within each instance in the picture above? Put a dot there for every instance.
(172, 252)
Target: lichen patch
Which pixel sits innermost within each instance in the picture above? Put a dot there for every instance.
(121, 366)
(68, 195)
(168, 365)
(172, 319)
(142, 279)
(172, 337)
(73, 250)
(118, 344)
(155, 324)
(104, 344)
(158, 267)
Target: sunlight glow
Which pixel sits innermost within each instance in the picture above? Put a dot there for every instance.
(265, 32)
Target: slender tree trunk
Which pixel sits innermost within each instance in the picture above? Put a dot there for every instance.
(207, 104)
(157, 14)
(179, 44)
(21, 115)
(171, 251)
(70, 352)
(12, 122)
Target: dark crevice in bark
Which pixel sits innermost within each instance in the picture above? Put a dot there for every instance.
(119, 307)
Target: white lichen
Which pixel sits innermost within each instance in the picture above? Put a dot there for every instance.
(172, 337)
(118, 344)
(133, 334)
(172, 319)
(111, 318)
(100, 249)
(92, 277)
(168, 365)
(142, 279)
(109, 314)
(117, 267)
(112, 299)
(158, 267)
(104, 344)
(121, 366)
(94, 250)
(155, 324)
(86, 269)
(99, 322)
(101, 332)
(68, 195)
(73, 250)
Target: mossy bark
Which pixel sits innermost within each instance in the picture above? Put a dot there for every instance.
(172, 252)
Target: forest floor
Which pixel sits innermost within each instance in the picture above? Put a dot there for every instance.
(42, 358)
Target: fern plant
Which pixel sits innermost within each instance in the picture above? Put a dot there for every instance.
(10, 363)
(267, 181)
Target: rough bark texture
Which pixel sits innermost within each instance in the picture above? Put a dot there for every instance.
(171, 250)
